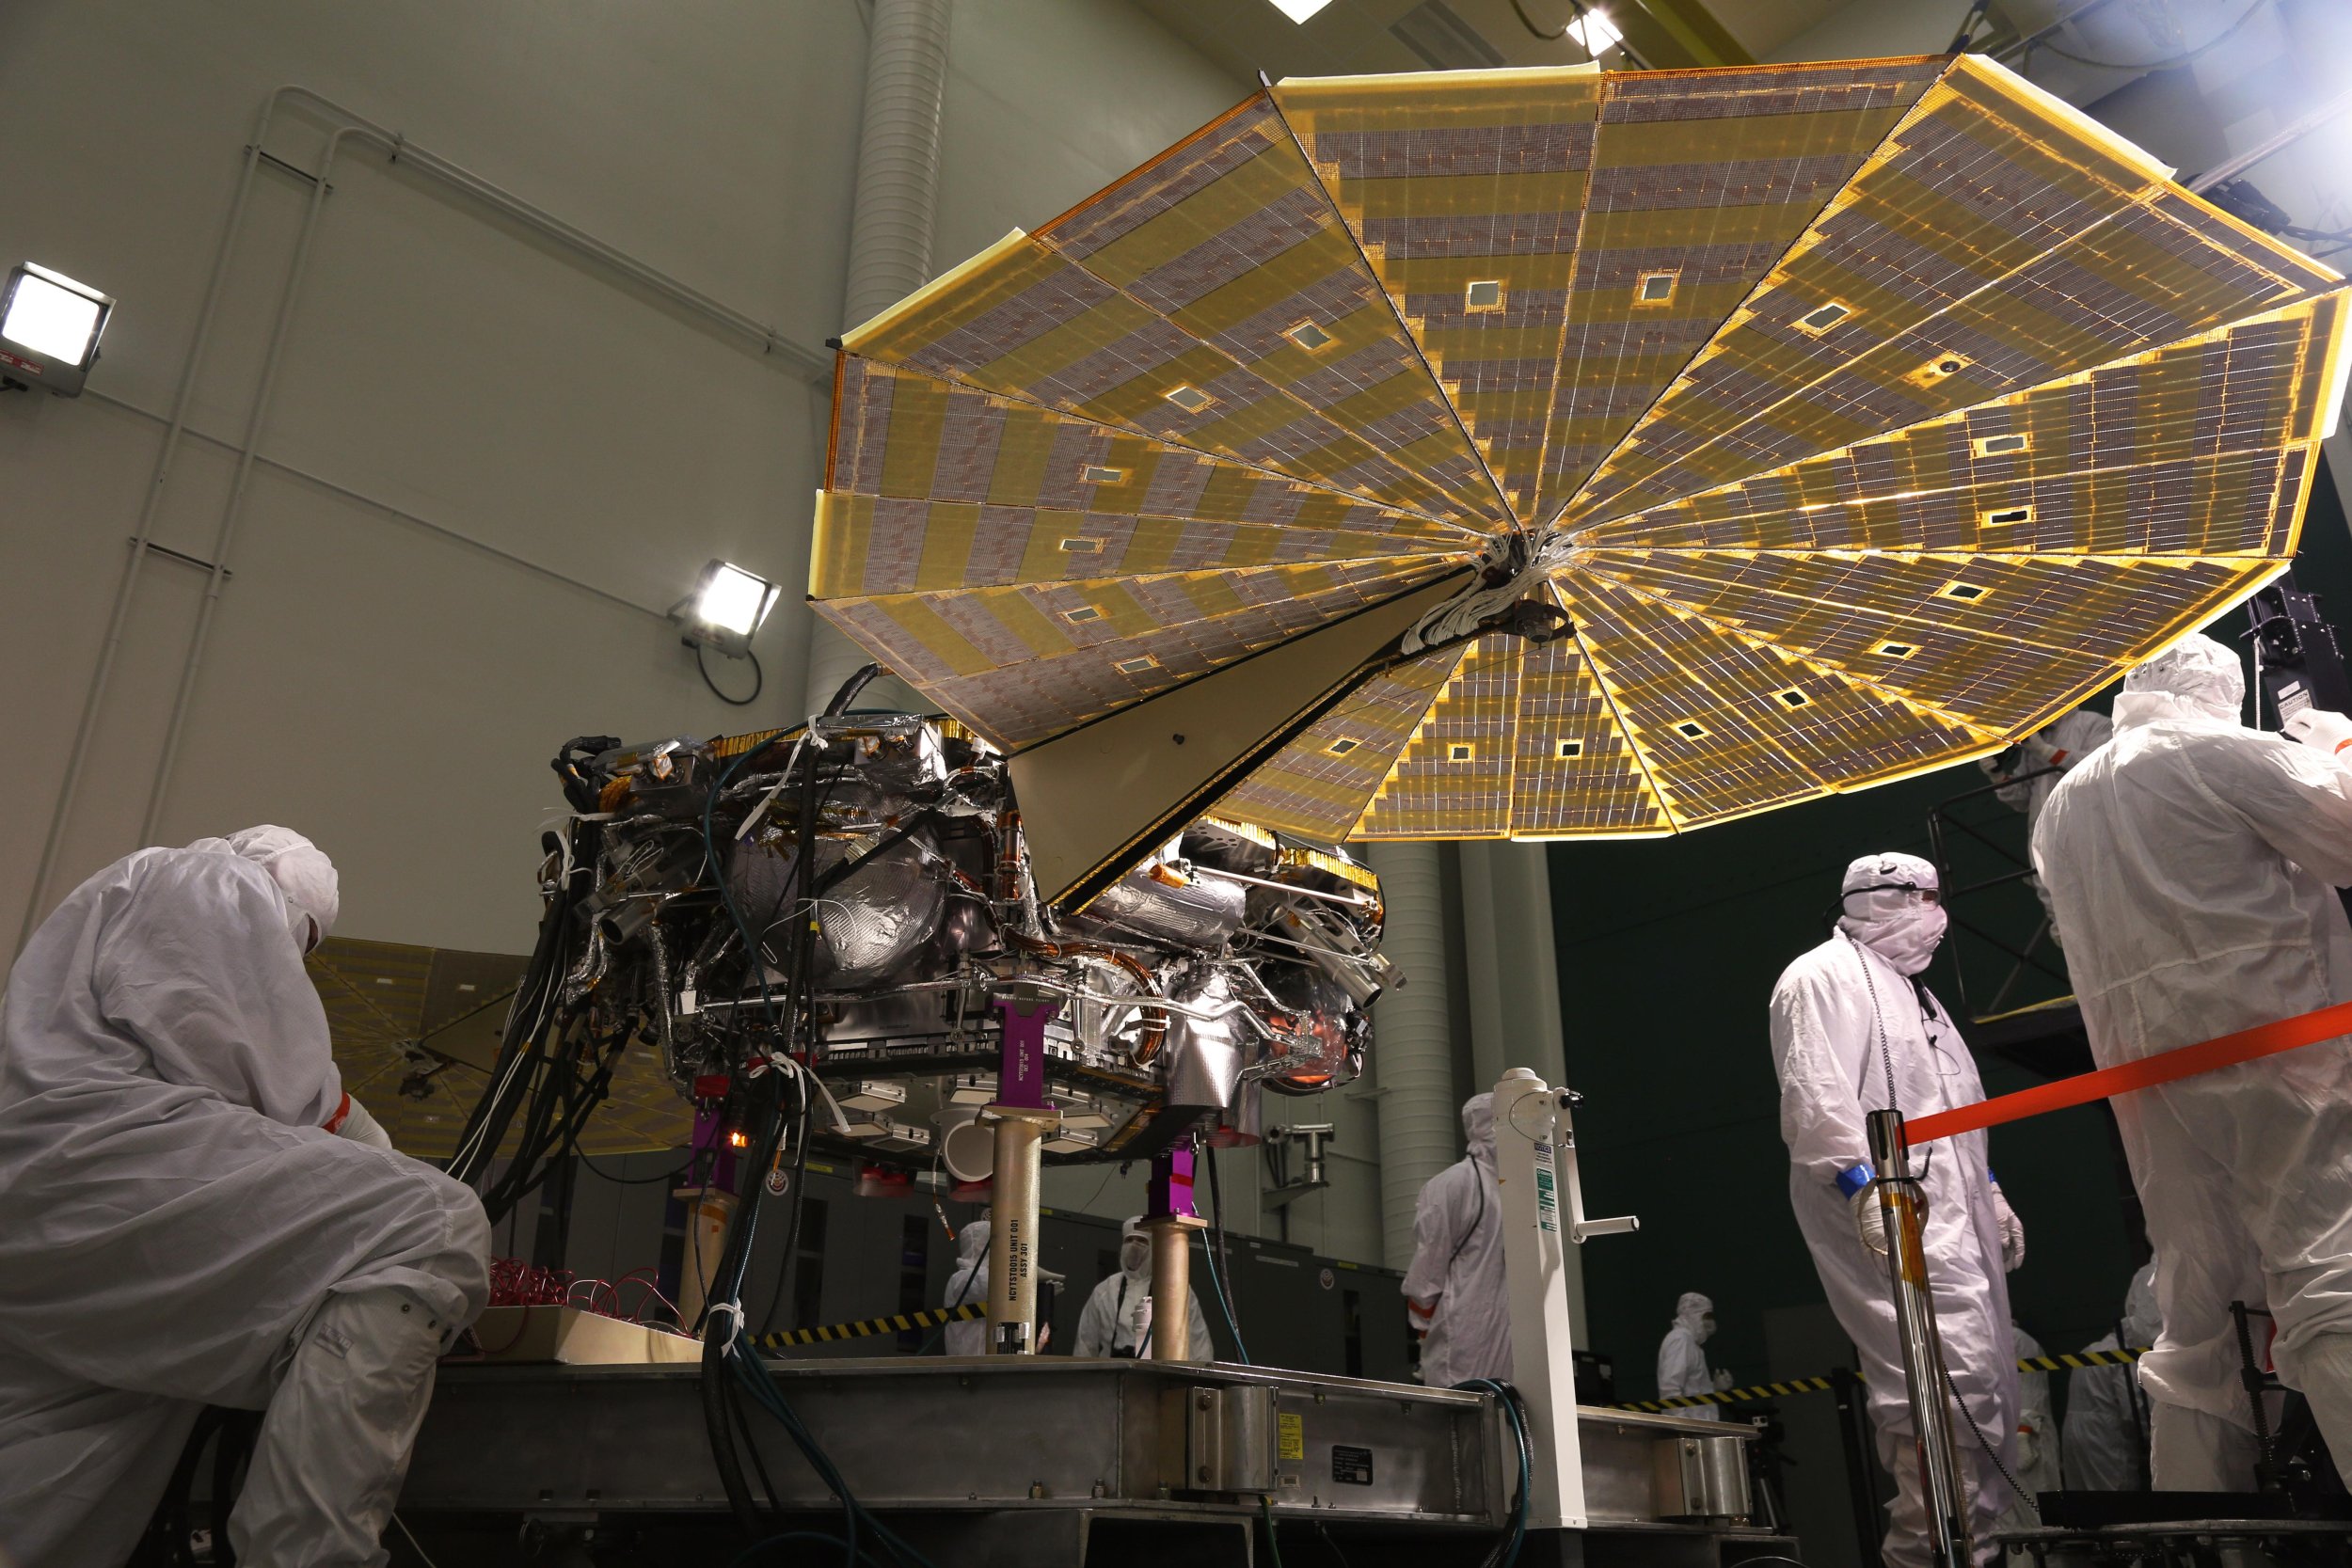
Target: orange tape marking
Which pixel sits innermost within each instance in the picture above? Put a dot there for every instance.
(2268, 1039)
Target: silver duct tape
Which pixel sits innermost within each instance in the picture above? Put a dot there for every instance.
(870, 923)
(1201, 914)
(876, 919)
(1205, 1056)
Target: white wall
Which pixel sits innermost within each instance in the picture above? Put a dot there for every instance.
(374, 679)
(516, 462)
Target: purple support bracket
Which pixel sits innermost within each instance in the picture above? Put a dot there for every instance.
(710, 1137)
(1168, 1194)
(1021, 1072)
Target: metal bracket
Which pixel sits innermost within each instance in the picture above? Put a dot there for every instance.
(1564, 1153)
(197, 562)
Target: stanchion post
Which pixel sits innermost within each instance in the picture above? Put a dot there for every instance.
(1900, 1200)
(1023, 1118)
(1169, 1220)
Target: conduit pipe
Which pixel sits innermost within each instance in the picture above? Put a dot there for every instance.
(891, 218)
(1412, 1041)
(347, 126)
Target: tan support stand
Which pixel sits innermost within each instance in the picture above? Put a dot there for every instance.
(1172, 1285)
(1012, 1234)
(707, 1223)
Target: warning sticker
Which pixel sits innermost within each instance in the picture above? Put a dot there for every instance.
(1290, 1437)
(1351, 1466)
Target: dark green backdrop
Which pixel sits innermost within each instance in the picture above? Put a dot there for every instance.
(1668, 951)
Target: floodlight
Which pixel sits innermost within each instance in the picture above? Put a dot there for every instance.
(1595, 32)
(726, 609)
(49, 329)
(1299, 10)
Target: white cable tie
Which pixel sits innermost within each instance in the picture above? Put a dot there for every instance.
(751, 817)
(840, 1122)
(734, 1309)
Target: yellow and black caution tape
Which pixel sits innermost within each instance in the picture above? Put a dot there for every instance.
(2073, 1363)
(1734, 1396)
(865, 1328)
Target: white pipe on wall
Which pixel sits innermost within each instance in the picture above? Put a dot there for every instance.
(891, 217)
(1412, 1052)
(346, 125)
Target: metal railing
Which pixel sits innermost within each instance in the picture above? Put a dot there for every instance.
(1950, 828)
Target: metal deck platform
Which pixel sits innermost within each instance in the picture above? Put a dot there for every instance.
(1051, 1460)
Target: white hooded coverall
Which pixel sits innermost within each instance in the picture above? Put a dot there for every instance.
(2192, 862)
(968, 1287)
(1117, 1319)
(1844, 1017)
(1455, 1287)
(1682, 1372)
(2038, 1467)
(178, 1228)
(2106, 1418)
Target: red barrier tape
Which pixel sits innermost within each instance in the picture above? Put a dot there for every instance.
(2266, 1040)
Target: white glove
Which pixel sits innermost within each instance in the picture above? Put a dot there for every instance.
(1723, 1380)
(362, 1128)
(2029, 1447)
(2012, 1232)
(2319, 729)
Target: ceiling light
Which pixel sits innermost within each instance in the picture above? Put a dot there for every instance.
(49, 329)
(1593, 32)
(726, 609)
(1299, 10)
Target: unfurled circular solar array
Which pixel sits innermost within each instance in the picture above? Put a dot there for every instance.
(1869, 415)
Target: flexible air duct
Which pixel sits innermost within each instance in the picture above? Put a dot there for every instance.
(890, 229)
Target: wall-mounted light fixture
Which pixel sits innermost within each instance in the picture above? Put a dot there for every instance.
(49, 329)
(723, 612)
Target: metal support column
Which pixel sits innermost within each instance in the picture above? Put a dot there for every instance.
(1023, 1118)
(1900, 1200)
(1169, 1219)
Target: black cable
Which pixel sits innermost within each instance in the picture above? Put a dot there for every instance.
(590, 1161)
(751, 1446)
(759, 678)
(2173, 63)
(801, 981)
(1990, 1451)
(848, 690)
(1222, 1264)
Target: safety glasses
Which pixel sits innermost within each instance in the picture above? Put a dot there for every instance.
(1913, 893)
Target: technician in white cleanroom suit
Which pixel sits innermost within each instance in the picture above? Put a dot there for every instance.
(1854, 1030)
(968, 1287)
(2193, 863)
(181, 1225)
(1117, 1320)
(1454, 1291)
(2106, 1415)
(2038, 1468)
(2048, 755)
(1682, 1365)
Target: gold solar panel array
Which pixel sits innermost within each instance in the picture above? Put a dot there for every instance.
(1868, 415)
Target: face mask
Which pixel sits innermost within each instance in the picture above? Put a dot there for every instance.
(1706, 1330)
(1905, 938)
(1135, 1253)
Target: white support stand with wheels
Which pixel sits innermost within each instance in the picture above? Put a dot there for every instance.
(1534, 1159)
